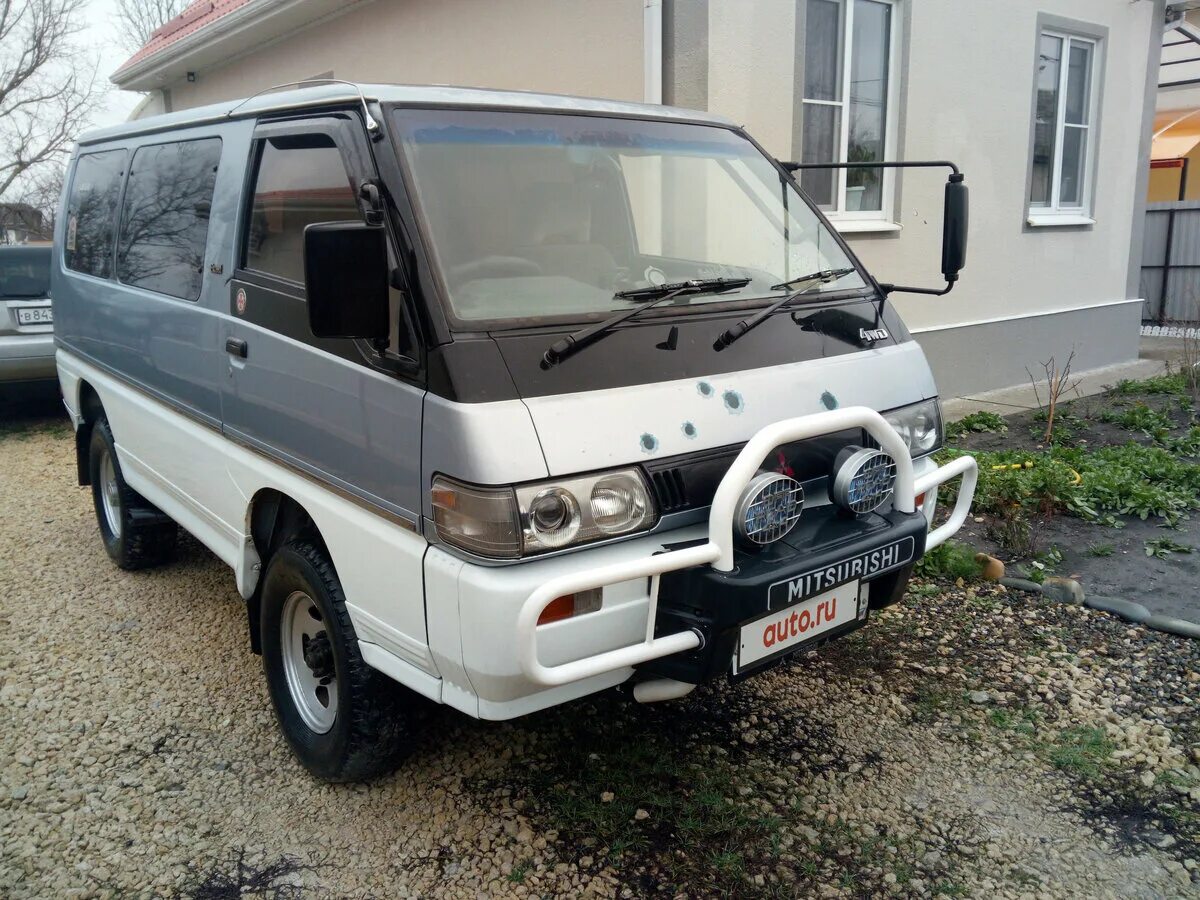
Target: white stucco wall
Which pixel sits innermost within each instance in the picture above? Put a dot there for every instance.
(966, 95)
(567, 46)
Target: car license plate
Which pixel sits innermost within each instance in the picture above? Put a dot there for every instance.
(780, 632)
(38, 315)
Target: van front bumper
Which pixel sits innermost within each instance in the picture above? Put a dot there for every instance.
(700, 591)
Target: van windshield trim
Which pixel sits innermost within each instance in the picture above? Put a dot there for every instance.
(760, 294)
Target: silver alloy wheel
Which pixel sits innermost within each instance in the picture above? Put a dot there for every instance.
(110, 493)
(308, 662)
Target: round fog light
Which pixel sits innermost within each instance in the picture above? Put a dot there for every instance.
(863, 479)
(769, 508)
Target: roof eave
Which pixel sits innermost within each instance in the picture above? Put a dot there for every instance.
(235, 32)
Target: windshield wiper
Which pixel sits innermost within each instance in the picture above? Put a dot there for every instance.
(647, 297)
(797, 286)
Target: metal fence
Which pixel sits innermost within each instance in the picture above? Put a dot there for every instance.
(1170, 279)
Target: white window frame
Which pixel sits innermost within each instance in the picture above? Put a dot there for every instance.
(865, 220)
(1055, 213)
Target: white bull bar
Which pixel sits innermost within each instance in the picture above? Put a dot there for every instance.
(718, 550)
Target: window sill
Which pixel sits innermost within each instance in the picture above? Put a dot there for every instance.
(1052, 221)
(864, 226)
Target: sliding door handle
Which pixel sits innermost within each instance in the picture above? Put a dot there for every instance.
(236, 347)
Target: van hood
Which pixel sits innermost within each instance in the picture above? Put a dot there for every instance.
(580, 432)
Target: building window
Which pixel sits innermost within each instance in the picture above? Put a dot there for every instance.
(164, 219)
(848, 64)
(92, 212)
(300, 180)
(1063, 117)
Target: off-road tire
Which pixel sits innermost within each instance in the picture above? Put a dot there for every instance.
(146, 537)
(376, 718)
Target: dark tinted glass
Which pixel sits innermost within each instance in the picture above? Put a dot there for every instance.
(92, 212)
(24, 272)
(164, 220)
(300, 181)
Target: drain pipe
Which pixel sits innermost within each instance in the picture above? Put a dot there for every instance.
(660, 689)
(652, 51)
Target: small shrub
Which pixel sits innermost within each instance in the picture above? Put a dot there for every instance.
(951, 561)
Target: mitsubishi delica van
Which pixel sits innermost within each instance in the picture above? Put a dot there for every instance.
(501, 399)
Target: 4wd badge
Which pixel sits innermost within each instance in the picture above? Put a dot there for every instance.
(239, 301)
(872, 335)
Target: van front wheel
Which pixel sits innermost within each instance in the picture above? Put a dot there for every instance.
(135, 534)
(344, 720)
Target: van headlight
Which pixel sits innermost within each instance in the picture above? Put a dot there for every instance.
(920, 426)
(511, 522)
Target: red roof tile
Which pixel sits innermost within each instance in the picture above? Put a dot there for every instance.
(196, 16)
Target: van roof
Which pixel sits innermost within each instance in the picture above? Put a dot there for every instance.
(431, 95)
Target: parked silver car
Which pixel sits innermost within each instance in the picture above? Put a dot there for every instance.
(26, 317)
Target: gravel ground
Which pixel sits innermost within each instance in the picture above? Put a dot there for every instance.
(970, 742)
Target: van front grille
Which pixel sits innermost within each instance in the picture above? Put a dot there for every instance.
(669, 489)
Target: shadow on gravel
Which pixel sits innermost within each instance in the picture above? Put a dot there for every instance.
(29, 405)
(237, 879)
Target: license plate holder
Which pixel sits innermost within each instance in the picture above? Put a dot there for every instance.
(35, 315)
(786, 630)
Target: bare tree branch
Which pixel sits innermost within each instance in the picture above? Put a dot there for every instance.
(138, 19)
(48, 86)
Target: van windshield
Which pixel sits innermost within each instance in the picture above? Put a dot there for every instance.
(24, 272)
(536, 216)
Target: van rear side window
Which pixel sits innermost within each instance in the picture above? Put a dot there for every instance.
(300, 180)
(164, 219)
(92, 212)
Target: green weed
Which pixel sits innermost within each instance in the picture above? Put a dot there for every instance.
(951, 561)
(976, 422)
(1100, 550)
(1161, 548)
(1140, 417)
(1171, 383)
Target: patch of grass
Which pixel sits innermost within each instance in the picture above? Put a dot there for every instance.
(948, 888)
(1081, 751)
(931, 701)
(951, 561)
(1100, 550)
(1161, 548)
(1022, 721)
(976, 422)
(519, 871)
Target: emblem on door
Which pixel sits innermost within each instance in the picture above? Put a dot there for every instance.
(239, 301)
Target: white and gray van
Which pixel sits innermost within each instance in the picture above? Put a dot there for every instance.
(506, 397)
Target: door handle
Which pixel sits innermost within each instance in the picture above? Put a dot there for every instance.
(236, 347)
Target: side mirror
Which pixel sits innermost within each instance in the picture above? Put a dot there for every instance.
(346, 276)
(954, 228)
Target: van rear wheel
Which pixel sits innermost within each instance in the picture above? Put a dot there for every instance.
(343, 720)
(136, 535)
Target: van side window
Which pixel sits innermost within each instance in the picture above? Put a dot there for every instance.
(164, 219)
(92, 212)
(300, 180)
